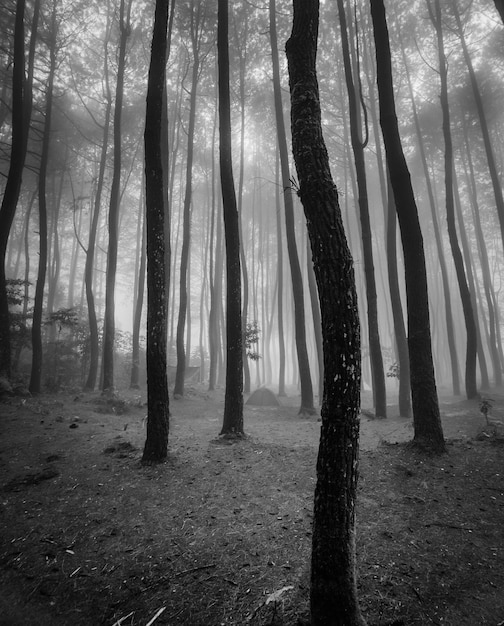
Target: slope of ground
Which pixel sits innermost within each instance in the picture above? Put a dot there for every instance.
(220, 534)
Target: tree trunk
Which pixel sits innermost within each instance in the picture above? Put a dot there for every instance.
(137, 318)
(113, 216)
(426, 418)
(333, 572)
(452, 346)
(378, 375)
(158, 403)
(397, 309)
(465, 296)
(233, 401)
(36, 367)
(280, 289)
(499, 5)
(178, 391)
(306, 407)
(21, 114)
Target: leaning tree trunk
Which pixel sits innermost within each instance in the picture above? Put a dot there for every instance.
(452, 346)
(307, 406)
(158, 402)
(426, 418)
(333, 572)
(465, 296)
(377, 372)
(233, 401)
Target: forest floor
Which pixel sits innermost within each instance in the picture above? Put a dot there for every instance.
(220, 534)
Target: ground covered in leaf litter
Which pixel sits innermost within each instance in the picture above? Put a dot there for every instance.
(220, 534)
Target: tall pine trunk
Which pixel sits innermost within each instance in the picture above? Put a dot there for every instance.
(426, 417)
(158, 407)
(307, 407)
(333, 597)
(233, 401)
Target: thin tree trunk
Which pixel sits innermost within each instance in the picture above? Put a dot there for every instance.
(137, 318)
(377, 372)
(280, 289)
(36, 368)
(113, 216)
(233, 401)
(465, 296)
(426, 418)
(452, 346)
(306, 407)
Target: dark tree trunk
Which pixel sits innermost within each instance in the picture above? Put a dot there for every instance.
(297, 278)
(21, 113)
(38, 304)
(333, 572)
(465, 296)
(158, 407)
(378, 375)
(233, 402)
(426, 418)
(317, 322)
(452, 346)
(113, 216)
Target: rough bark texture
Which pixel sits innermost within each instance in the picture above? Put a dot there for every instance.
(307, 406)
(158, 408)
(333, 574)
(233, 402)
(426, 418)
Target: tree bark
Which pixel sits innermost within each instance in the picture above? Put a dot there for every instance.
(426, 418)
(333, 596)
(158, 403)
(233, 401)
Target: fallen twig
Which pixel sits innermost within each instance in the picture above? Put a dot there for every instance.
(158, 613)
(194, 569)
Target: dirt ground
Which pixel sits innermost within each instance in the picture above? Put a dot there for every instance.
(220, 534)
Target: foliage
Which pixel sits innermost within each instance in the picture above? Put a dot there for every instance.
(251, 339)
(393, 371)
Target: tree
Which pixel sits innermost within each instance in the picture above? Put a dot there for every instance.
(197, 21)
(113, 216)
(36, 368)
(499, 5)
(233, 401)
(358, 145)
(465, 296)
(297, 279)
(333, 577)
(158, 402)
(21, 113)
(426, 418)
